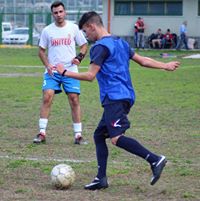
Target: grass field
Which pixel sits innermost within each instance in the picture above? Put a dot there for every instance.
(165, 118)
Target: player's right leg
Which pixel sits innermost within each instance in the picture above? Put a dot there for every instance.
(50, 87)
(117, 124)
(44, 115)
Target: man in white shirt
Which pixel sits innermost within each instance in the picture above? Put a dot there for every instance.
(59, 39)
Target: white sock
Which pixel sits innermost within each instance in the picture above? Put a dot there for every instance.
(43, 125)
(77, 129)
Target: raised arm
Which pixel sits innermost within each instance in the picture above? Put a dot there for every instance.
(152, 63)
(87, 76)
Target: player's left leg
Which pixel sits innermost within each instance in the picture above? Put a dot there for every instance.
(72, 89)
(76, 117)
(100, 135)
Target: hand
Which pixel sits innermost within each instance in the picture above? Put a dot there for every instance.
(50, 69)
(171, 66)
(60, 68)
(76, 61)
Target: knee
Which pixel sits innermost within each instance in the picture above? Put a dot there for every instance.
(115, 139)
(47, 99)
(74, 100)
(99, 138)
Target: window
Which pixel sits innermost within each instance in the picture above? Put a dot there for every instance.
(156, 8)
(123, 8)
(150, 7)
(174, 8)
(199, 8)
(140, 8)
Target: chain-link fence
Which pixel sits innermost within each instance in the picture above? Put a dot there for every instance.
(34, 15)
(31, 23)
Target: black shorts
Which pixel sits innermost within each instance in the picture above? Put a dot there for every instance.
(114, 120)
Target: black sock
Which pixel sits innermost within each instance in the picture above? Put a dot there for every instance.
(102, 156)
(134, 147)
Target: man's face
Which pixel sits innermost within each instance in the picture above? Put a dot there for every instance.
(89, 31)
(59, 14)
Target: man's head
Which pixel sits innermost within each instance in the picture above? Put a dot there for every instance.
(185, 23)
(56, 4)
(91, 23)
(159, 30)
(58, 12)
(90, 18)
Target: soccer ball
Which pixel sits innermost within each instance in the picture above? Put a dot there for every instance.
(62, 176)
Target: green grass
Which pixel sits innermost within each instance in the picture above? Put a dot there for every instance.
(165, 118)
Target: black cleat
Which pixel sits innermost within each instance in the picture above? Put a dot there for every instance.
(157, 169)
(80, 141)
(40, 138)
(97, 184)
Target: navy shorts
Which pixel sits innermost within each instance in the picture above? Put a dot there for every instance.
(114, 120)
(55, 81)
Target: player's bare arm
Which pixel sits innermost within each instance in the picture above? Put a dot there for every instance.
(44, 59)
(87, 76)
(152, 63)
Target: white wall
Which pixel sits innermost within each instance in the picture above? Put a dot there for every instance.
(123, 25)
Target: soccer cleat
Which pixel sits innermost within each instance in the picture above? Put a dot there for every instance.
(40, 138)
(157, 169)
(79, 140)
(97, 184)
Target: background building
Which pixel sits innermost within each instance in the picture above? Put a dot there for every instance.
(120, 16)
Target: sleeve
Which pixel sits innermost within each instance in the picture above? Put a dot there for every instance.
(43, 43)
(131, 52)
(79, 36)
(99, 54)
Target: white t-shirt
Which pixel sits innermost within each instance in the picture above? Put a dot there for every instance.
(61, 43)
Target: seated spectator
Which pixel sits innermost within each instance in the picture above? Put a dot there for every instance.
(174, 40)
(150, 38)
(167, 40)
(157, 40)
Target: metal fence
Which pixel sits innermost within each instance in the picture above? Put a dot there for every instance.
(34, 21)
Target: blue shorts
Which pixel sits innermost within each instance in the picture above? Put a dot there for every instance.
(114, 120)
(55, 81)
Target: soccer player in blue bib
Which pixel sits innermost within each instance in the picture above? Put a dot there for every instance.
(110, 56)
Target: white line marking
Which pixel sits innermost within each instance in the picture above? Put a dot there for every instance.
(43, 159)
(21, 74)
(60, 160)
(15, 66)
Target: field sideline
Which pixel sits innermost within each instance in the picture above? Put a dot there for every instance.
(165, 118)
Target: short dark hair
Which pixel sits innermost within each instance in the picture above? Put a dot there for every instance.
(90, 17)
(56, 4)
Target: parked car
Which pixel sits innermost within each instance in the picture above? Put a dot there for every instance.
(20, 36)
(6, 28)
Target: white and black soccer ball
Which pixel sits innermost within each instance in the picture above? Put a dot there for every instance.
(62, 176)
